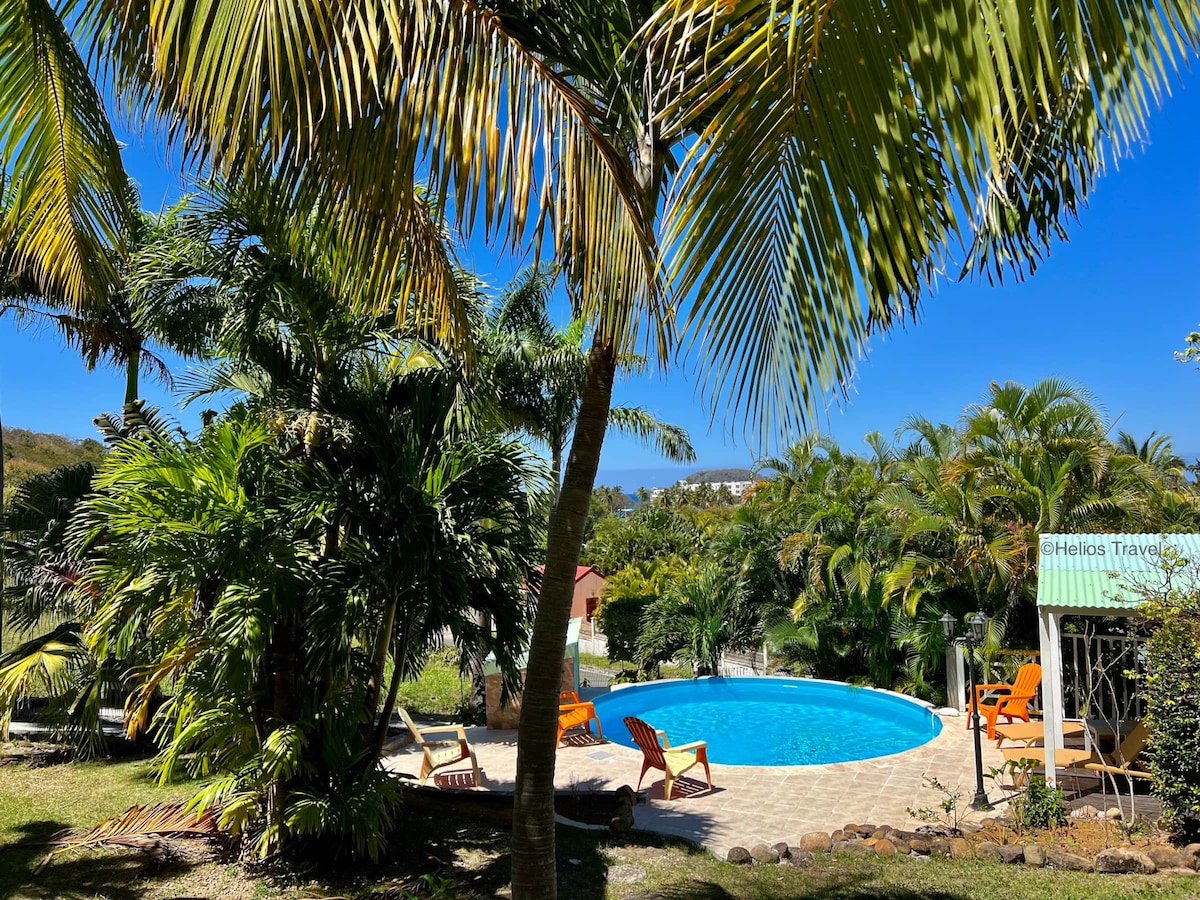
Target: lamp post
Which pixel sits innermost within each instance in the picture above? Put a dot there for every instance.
(975, 634)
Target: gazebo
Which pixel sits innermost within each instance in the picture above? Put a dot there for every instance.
(1091, 575)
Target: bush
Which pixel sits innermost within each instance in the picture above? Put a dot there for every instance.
(620, 618)
(1172, 688)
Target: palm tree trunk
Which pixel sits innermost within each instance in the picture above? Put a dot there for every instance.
(133, 364)
(533, 858)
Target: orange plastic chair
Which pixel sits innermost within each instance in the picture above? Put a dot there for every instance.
(673, 761)
(572, 713)
(1013, 703)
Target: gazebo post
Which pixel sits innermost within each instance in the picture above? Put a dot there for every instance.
(1050, 638)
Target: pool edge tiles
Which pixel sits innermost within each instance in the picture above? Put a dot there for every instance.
(769, 721)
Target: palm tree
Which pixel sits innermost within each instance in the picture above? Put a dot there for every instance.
(697, 621)
(539, 372)
(791, 153)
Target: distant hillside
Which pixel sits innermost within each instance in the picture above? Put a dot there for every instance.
(28, 453)
(715, 476)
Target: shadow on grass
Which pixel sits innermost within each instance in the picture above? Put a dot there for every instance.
(111, 873)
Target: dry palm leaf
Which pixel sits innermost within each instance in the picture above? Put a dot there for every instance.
(139, 827)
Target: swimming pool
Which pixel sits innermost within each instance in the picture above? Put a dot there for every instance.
(772, 721)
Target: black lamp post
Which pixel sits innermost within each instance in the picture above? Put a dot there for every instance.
(975, 635)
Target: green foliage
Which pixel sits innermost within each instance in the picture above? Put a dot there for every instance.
(1172, 690)
(648, 534)
(1035, 804)
(620, 618)
(697, 621)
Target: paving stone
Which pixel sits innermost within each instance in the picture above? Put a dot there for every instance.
(1012, 853)
(1035, 855)
(761, 853)
(1060, 859)
(816, 842)
(1124, 861)
(987, 850)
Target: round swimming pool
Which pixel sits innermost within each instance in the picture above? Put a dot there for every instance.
(772, 721)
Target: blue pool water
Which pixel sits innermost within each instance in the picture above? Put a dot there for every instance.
(772, 721)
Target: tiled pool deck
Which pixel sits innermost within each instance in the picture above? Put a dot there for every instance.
(748, 804)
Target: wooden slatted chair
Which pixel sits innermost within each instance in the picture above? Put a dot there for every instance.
(441, 753)
(672, 761)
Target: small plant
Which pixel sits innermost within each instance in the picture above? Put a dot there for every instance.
(1036, 805)
(950, 814)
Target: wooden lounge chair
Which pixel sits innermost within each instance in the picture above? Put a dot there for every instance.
(673, 761)
(572, 712)
(1122, 762)
(1030, 733)
(1012, 701)
(441, 753)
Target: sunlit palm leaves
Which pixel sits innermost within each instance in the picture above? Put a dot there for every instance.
(69, 194)
(848, 146)
(360, 101)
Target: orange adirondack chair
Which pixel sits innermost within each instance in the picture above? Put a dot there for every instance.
(572, 712)
(673, 761)
(1012, 702)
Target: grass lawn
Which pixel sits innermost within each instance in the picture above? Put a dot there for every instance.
(472, 857)
(439, 691)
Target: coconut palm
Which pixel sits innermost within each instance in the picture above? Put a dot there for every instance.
(791, 154)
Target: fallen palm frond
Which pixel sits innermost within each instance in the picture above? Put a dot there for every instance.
(140, 828)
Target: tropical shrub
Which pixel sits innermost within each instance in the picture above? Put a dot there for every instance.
(1172, 690)
(620, 618)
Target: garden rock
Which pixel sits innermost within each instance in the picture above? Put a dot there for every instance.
(816, 842)
(852, 848)
(1113, 813)
(782, 849)
(801, 859)
(920, 845)
(884, 847)
(1124, 861)
(1167, 857)
(987, 850)
(881, 832)
(739, 855)
(838, 835)
(1192, 853)
(1060, 859)
(939, 847)
(626, 873)
(1035, 855)
(1012, 853)
(763, 854)
(1087, 811)
(960, 848)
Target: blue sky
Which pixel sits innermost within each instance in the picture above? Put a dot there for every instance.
(1107, 309)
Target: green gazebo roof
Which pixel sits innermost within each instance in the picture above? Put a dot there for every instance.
(1102, 573)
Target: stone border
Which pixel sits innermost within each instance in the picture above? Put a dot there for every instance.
(885, 841)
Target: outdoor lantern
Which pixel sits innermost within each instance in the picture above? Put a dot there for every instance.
(978, 626)
(948, 625)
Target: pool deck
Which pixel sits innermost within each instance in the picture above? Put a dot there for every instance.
(748, 804)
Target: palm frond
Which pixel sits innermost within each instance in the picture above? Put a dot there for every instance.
(671, 441)
(69, 189)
